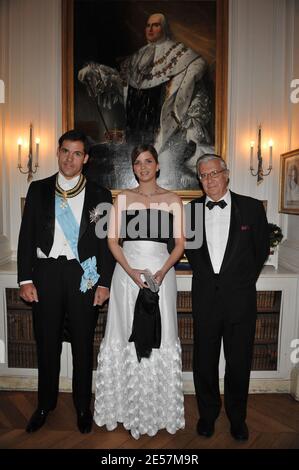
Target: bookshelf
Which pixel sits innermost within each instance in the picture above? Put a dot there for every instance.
(276, 327)
(22, 350)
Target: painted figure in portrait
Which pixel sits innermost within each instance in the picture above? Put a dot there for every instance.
(292, 182)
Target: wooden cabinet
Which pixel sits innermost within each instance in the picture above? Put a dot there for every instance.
(266, 335)
(276, 327)
(21, 348)
(265, 351)
(22, 351)
(185, 328)
(99, 334)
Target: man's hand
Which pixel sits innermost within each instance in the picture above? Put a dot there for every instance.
(101, 295)
(28, 292)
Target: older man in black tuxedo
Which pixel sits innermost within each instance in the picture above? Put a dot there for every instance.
(65, 270)
(225, 270)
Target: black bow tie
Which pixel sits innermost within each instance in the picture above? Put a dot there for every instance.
(212, 204)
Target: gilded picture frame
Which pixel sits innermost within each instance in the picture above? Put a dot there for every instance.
(211, 41)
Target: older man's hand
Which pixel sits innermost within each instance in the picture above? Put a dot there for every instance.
(28, 292)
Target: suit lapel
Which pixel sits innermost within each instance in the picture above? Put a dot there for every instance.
(234, 234)
(205, 249)
(48, 202)
(87, 206)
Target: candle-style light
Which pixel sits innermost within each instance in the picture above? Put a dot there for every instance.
(260, 173)
(30, 170)
(20, 142)
(37, 142)
(259, 157)
(251, 154)
(270, 153)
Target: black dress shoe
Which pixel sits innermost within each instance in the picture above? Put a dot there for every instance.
(37, 420)
(84, 421)
(205, 429)
(239, 432)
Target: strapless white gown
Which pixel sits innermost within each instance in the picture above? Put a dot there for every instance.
(145, 396)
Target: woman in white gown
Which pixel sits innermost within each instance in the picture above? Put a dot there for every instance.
(144, 396)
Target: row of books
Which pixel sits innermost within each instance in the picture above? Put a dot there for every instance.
(264, 357)
(185, 327)
(100, 328)
(20, 327)
(187, 357)
(258, 363)
(265, 300)
(184, 300)
(267, 327)
(22, 355)
(13, 299)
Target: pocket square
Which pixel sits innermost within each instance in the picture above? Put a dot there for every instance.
(244, 228)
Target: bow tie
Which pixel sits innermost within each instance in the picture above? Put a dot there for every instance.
(212, 204)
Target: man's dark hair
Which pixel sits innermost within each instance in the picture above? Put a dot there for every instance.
(75, 135)
(144, 148)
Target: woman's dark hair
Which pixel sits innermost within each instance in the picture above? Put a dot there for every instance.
(144, 148)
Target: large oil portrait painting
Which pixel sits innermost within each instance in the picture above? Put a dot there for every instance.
(146, 72)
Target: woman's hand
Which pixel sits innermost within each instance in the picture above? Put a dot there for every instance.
(135, 274)
(159, 276)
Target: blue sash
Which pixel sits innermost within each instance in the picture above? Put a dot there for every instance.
(70, 229)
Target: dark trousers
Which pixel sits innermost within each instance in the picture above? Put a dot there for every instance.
(238, 339)
(57, 283)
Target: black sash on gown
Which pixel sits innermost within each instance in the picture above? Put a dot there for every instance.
(146, 331)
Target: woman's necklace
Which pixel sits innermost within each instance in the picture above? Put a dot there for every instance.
(148, 194)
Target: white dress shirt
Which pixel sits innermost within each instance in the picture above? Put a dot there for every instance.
(217, 222)
(60, 245)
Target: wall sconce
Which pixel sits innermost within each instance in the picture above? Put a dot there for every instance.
(30, 171)
(260, 173)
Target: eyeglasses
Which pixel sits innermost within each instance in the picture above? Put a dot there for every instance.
(213, 174)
